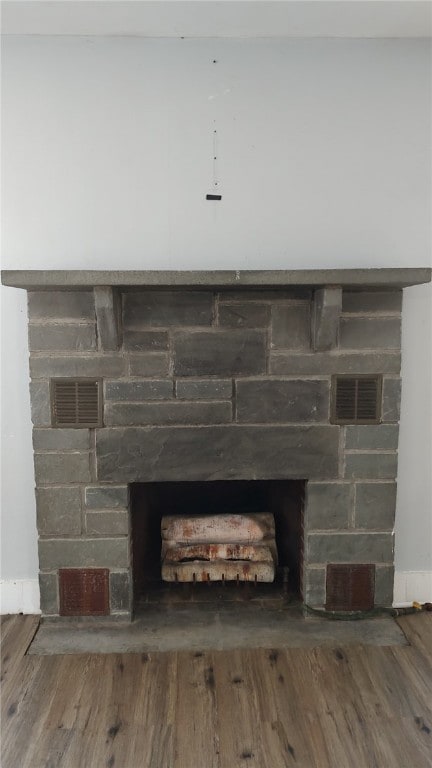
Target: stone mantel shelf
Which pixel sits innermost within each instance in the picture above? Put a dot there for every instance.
(385, 278)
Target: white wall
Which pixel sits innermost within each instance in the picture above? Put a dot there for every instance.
(323, 161)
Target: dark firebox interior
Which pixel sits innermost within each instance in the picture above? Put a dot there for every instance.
(150, 501)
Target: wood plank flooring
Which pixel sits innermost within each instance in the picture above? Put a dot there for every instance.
(342, 707)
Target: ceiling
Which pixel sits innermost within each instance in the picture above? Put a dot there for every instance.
(219, 18)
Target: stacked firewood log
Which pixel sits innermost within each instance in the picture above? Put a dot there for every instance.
(224, 547)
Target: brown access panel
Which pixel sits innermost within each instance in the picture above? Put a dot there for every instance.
(84, 591)
(350, 587)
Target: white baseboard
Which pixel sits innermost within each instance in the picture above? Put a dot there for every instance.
(19, 596)
(410, 586)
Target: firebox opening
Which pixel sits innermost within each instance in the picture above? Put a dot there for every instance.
(150, 502)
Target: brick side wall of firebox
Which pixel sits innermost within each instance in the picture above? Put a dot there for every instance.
(209, 386)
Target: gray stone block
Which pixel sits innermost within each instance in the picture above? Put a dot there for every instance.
(176, 412)
(350, 548)
(326, 312)
(372, 436)
(220, 353)
(145, 341)
(291, 294)
(80, 338)
(133, 391)
(167, 308)
(61, 468)
(108, 317)
(314, 587)
(152, 364)
(108, 523)
(217, 453)
(61, 305)
(49, 594)
(120, 591)
(59, 510)
(206, 389)
(83, 553)
(328, 505)
(370, 333)
(282, 400)
(42, 367)
(61, 439)
(371, 466)
(372, 301)
(322, 363)
(384, 582)
(291, 326)
(375, 505)
(392, 389)
(107, 497)
(40, 403)
(244, 315)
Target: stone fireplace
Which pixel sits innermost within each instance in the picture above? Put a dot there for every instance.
(213, 380)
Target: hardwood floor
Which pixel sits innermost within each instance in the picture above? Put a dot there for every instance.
(351, 707)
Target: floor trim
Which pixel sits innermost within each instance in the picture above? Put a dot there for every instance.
(410, 586)
(19, 596)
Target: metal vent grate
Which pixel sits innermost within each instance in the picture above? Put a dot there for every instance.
(356, 400)
(84, 591)
(350, 587)
(76, 402)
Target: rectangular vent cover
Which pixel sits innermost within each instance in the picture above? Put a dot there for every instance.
(350, 587)
(356, 400)
(84, 591)
(76, 402)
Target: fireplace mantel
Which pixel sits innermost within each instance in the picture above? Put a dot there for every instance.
(385, 278)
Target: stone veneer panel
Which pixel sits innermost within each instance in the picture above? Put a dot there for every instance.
(381, 302)
(370, 333)
(280, 400)
(329, 505)
(244, 315)
(350, 548)
(59, 510)
(112, 523)
(107, 497)
(136, 391)
(146, 341)
(321, 363)
(83, 553)
(49, 593)
(177, 412)
(61, 305)
(291, 327)
(150, 365)
(375, 505)
(134, 454)
(40, 403)
(391, 400)
(120, 592)
(95, 366)
(78, 338)
(61, 468)
(381, 466)
(198, 356)
(167, 308)
(61, 439)
(204, 389)
(219, 353)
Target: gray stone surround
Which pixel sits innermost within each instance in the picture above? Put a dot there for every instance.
(213, 384)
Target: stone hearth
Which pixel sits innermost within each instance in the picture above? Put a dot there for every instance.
(209, 377)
